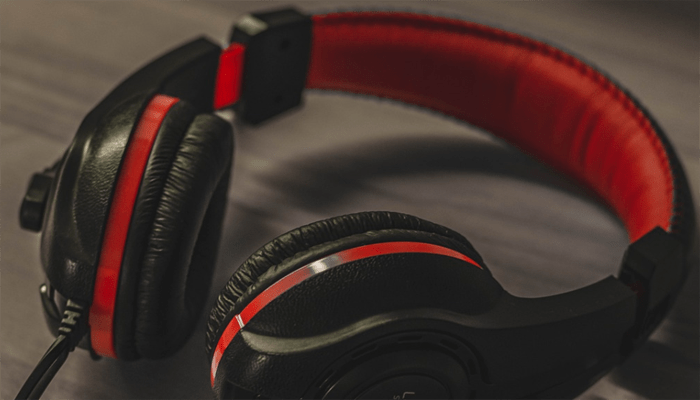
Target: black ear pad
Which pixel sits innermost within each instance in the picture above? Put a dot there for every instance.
(173, 237)
(311, 242)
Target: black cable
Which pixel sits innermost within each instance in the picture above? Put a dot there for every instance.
(71, 331)
(45, 370)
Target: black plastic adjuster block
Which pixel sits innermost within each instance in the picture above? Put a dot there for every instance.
(654, 268)
(278, 45)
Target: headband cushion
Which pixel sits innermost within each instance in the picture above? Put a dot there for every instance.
(178, 214)
(538, 98)
(311, 242)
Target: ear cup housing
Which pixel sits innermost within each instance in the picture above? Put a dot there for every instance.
(81, 196)
(75, 219)
(315, 321)
(173, 236)
(303, 239)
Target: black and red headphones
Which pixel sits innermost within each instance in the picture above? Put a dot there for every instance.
(368, 305)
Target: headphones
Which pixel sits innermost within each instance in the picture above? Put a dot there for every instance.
(367, 305)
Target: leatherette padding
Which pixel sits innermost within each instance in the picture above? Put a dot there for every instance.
(160, 162)
(305, 245)
(541, 99)
(180, 252)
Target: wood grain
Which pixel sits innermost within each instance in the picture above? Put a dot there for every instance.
(538, 233)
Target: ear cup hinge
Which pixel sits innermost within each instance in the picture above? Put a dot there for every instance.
(277, 48)
(654, 268)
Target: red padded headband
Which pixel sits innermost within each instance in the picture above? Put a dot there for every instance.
(538, 98)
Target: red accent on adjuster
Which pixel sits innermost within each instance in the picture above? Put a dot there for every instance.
(136, 155)
(307, 271)
(229, 76)
(537, 97)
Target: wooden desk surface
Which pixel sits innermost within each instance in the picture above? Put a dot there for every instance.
(342, 154)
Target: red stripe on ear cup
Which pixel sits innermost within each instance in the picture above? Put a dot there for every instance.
(136, 155)
(229, 76)
(316, 267)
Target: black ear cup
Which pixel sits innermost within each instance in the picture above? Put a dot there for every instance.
(285, 319)
(311, 242)
(174, 233)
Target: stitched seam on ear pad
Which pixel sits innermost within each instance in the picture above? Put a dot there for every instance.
(180, 250)
(160, 162)
(304, 241)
